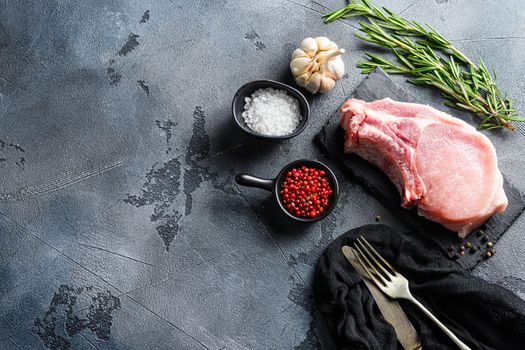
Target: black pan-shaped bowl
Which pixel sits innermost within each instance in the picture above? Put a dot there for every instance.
(247, 89)
(274, 186)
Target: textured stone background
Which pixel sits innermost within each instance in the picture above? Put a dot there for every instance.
(120, 224)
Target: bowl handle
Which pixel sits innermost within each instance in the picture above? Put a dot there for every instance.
(254, 181)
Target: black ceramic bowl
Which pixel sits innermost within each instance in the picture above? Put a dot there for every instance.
(247, 89)
(274, 186)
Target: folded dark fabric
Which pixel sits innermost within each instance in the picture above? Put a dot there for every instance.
(482, 314)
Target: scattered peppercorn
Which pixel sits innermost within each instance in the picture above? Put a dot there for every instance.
(306, 191)
(484, 239)
(468, 245)
(378, 218)
(462, 252)
(450, 248)
(473, 249)
(461, 247)
(490, 245)
(480, 233)
(489, 253)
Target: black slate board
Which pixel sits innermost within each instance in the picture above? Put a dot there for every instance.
(378, 85)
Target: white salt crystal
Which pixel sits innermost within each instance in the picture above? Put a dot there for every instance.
(272, 112)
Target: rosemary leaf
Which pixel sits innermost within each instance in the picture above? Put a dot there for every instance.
(431, 60)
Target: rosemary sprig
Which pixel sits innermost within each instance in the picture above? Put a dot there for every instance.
(432, 60)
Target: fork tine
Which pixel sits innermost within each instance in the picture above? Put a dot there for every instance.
(378, 255)
(370, 265)
(378, 264)
(367, 270)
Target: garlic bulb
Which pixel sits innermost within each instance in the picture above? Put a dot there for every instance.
(317, 64)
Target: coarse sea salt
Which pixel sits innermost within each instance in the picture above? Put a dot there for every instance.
(272, 112)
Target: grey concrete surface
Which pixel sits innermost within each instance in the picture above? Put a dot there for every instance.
(121, 226)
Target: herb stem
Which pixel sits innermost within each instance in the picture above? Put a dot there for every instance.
(432, 60)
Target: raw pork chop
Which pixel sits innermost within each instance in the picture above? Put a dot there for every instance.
(438, 163)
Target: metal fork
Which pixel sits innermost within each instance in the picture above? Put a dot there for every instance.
(392, 283)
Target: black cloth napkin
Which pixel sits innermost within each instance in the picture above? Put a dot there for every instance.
(481, 314)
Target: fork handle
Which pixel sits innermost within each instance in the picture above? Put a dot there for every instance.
(444, 328)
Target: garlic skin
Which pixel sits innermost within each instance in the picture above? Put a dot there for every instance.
(317, 64)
